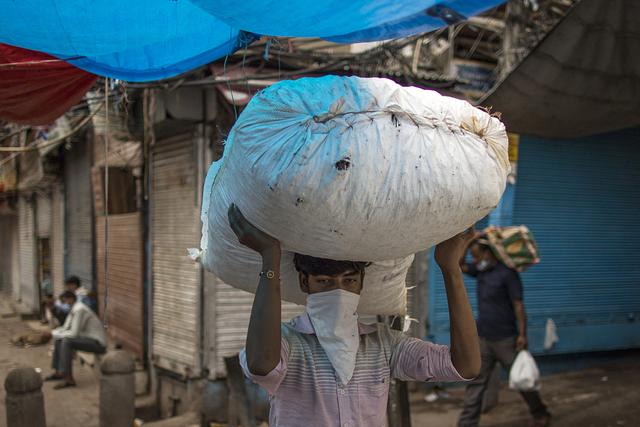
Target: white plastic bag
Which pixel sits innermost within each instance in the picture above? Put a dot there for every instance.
(524, 374)
(355, 169)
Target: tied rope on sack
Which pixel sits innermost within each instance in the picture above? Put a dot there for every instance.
(483, 127)
(478, 124)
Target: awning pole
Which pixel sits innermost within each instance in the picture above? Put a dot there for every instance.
(105, 314)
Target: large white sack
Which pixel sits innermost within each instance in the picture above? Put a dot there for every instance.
(351, 168)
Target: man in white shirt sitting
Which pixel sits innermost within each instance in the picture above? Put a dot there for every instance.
(82, 330)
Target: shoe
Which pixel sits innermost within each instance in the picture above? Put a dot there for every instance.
(63, 385)
(542, 421)
(54, 377)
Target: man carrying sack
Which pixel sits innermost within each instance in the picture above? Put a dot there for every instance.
(324, 368)
(502, 326)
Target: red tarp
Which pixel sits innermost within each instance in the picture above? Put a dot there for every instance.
(38, 93)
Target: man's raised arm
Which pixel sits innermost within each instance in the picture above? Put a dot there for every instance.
(465, 345)
(263, 336)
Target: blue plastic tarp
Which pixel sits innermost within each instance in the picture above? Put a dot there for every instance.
(343, 21)
(130, 40)
(153, 39)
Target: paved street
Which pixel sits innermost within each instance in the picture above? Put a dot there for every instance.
(606, 396)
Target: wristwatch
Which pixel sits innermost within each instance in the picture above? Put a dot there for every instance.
(269, 274)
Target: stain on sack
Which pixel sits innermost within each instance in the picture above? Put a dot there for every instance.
(344, 164)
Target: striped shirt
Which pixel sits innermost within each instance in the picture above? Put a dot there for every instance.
(305, 391)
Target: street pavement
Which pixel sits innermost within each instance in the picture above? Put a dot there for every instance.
(70, 407)
(603, 396)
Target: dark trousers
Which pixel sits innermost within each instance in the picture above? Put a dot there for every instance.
(503, 351)
(64, 348)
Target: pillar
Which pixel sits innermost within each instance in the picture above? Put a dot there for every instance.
(117, 390)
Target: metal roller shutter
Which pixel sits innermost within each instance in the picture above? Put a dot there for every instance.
(124, 315)
(7, 252)
(233, 310)
(15, 259)
(175, 226)
(580, 198)
(438, 314)
(29, 289)
(43, 213)
(78, 206)
(57, 239)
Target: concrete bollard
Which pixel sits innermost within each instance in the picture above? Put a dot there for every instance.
(25, 403)
(117, 390)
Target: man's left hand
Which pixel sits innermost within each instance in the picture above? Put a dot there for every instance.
(521, 343)
(46, 334)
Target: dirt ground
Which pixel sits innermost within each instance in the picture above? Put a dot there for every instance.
(69, 407)
(607, 396)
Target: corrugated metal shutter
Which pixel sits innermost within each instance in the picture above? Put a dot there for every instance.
(125, 316)
(7, 252)
(57, 239)
(15, 259)
(78, 207)
(43, 213)
(438, 318)
(175, 226)
(581, 198)
(29, 289)
(233, 310)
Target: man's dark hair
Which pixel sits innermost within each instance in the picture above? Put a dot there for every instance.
(68, 294)
(73, 280)
(482, 243)
(309, 265)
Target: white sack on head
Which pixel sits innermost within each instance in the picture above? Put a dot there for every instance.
(352, 169)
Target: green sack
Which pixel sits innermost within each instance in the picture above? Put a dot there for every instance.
(514, 246)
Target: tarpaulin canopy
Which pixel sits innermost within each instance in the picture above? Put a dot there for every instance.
(35, 92)
(345, 21)
(151, 39)
(582, 79)
(129, 40)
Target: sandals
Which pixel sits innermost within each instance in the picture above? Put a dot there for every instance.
(63, 385)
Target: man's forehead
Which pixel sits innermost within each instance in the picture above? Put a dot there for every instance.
(345, 273)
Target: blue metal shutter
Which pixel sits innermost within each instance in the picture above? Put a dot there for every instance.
(438, 312)
(581, 198)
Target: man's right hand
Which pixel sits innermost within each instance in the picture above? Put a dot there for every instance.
(449, 255)
(249, 235)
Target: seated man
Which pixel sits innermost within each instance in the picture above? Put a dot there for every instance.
(82, 330)
(58, 309)
(73, 284)
(324, 368)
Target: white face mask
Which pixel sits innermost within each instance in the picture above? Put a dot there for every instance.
(482, 265)
(335, 321)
